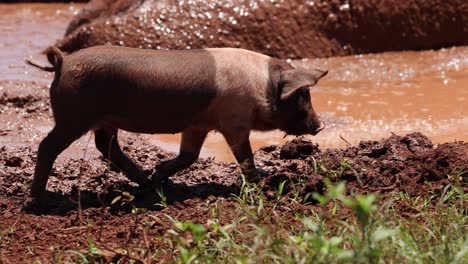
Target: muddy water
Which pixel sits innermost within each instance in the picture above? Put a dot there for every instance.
(25, 30)
(363, 97)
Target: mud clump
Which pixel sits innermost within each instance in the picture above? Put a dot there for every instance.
(15, 168)
(290, 29)
(17, 101)
(409, 163)
(448, 160)
(397, 163)
(297, 148)
(14, 162)
(24, 97)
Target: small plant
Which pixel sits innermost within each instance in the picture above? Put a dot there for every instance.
(251, 198)
(363, 239)
(92, 255)
(279, 194)
(188, 241)
(162, 197)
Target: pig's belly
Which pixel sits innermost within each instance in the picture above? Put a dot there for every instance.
(157, 113)
(151, 123)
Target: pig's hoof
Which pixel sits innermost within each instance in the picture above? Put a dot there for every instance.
(37, 202)
(139, 177)
(158, 178)
(143, 182)
(37, 195)
(256, 176)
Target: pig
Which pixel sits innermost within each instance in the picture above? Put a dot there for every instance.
(232, 91)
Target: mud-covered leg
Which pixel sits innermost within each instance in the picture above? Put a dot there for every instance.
(108, 144)
(240, 147)
(49, 148)
(192, 141)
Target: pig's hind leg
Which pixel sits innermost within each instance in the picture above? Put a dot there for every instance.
(107, 143)
(50, 147)
(192, 141)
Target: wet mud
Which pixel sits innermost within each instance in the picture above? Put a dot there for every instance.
(285, 29)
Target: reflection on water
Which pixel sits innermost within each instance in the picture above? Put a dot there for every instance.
(363, 97)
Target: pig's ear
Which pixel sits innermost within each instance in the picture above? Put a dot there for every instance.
(295, 79)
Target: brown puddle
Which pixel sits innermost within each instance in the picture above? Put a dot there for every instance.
(363, 97)
(26, 29)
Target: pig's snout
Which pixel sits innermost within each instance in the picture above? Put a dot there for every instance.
(319, 128)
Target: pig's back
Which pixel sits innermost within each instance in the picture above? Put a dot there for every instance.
(219, 68)
(239, 70)
(143, 69)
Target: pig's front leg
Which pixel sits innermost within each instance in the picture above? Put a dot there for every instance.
(192, 141)
(240, 147)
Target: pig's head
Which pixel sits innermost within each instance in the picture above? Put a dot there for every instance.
(295, 114)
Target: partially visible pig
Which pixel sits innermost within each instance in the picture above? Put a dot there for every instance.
(233, 91)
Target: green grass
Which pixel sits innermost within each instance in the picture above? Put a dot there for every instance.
(337, 229)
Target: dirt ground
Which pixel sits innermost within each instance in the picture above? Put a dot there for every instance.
(408, 163)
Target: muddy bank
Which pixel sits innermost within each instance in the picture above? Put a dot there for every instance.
(407, 163)
(410, 164)
(290, 29)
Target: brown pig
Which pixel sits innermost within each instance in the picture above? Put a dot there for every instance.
(229, 90)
